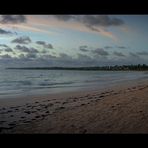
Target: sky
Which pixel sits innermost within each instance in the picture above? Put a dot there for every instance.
(73, 40)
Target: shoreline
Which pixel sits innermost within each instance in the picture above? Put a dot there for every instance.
(71, 112)
(83, 90)
(15, 93)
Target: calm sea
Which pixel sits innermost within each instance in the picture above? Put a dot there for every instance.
(35, 82)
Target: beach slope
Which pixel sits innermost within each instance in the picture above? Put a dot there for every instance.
(116, 110)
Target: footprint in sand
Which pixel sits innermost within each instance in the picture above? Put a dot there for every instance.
(37, 117)
(22, 117)
(12, 124)
(52, 104)
(26, 121)
(2, 121)
(47, 112)
(9, 111)
(27, 112)
(59, 108)
(82, 104)
(101, 96)
(90, 97)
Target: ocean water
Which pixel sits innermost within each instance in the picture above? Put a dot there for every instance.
(34, 82)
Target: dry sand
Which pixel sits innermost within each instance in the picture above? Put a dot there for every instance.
(119, 109)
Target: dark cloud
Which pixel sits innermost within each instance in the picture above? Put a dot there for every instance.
(33, 50)
(92, 21)
(41, 42)
(6, 56)
(48, 46)
(101, 20)
(22, 40)
(61, 60)
(83, 48)
(8, 49)
(31, 56)
(14, 19)
(26, 49)
(65, 17)
(122, 47)
(44, 44)
(22, 56)
(108, 47)
(44, 51)
(84, 60)
(28, 56)
(22, 48)
(64, 56)
(3, 45)
(142, 53)
(100, 51)
(134, 55)
(2, 31)
(120, 54)
(92, 28)
(83, 57)
(30, 59)
(48, 57)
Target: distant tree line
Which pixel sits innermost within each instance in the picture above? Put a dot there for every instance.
(138, 67)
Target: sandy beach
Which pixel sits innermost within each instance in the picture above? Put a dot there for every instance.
(119, 109)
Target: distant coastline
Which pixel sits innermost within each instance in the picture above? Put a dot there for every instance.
(138, 67)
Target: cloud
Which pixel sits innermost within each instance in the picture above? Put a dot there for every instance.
(83, 48)
(93, 28)
(12, 19)
(26, 49)
(22, 48)
(22, 40)
(27, 57)
(48, 57)
(22, 56)
(40, 42)
(92, 21)
(96, 23)
(134, 55)
(119, 54)
(83, 57)
(8, 49)
(142, 53)
(100, 51)
(44, 44)
(6, 56)
(122, 47)
(31, 56)
(108, 47)
(101, 20)
(3, 45)
(2, 31)
(64, 56)
(65, 17)
(33, 50)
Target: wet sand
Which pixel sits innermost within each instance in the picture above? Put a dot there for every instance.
(120, 109)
